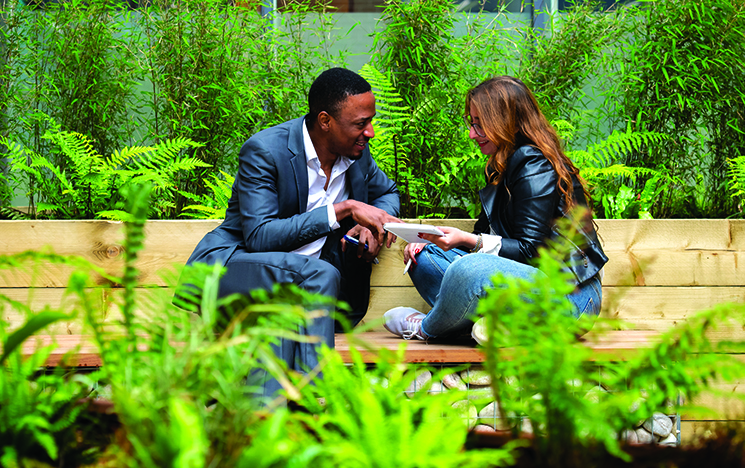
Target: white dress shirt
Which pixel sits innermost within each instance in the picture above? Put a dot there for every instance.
(318, 197)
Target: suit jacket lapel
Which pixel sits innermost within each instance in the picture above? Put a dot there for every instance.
(299, 163)
(356, 180)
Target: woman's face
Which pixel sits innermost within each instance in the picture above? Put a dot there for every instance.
(476, 133)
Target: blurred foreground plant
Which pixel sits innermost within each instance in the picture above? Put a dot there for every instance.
(543, 374)
(43, 414)
(371, 417)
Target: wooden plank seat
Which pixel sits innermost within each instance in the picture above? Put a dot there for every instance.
(612, 345)
(660, 271)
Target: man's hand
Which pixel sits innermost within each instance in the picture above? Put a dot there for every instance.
(365, 237)
(369, 217)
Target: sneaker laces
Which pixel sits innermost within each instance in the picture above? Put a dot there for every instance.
(414, 330)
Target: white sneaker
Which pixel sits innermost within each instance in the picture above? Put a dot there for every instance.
(405, 322)
(478, 332)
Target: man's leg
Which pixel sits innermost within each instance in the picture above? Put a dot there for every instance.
(261, 270)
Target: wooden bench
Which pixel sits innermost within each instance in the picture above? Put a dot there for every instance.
(659, 273)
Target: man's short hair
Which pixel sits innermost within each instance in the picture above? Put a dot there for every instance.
(330, 89)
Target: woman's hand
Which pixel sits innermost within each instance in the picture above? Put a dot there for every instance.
(453, 238)
(411, 251)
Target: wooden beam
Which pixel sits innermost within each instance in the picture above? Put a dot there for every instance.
(696, 252)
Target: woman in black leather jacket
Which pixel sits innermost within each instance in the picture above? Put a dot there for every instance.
(531, 186)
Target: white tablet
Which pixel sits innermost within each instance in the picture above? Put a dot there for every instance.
(409, 232)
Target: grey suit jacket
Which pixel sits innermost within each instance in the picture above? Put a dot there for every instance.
(267, 209)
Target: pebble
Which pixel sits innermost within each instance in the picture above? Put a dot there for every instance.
(421, 381)
(480, 393)
(669, 441)
(483, 428)
(630, 437)
(467, 411)
(526, 426)
(475, 376)
(437, 387)
(593, 394)
(454, 382)
(659, 424)
(644, 437)
(490, 415)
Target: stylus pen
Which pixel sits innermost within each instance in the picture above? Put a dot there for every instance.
(408, 265)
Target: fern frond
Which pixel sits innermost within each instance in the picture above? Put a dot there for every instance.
(391, 145)
(203, 212)
(114, 215)
(213, 205)
(616, 170)
(736, 174)
(78, 149)
(171, 147)
(619, 143)
(185, 164)
(11, 213)
(121, 156)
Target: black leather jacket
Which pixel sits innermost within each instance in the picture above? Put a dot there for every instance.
(524, 209)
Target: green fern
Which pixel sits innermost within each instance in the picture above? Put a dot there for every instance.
(40, 413)
(736, 174)
(613, 183)
(212, 205)
(89, 185)
(618, 144)
(390, 145)
(366, 409)
(8, 212)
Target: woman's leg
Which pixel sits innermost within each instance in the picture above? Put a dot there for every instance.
(432, 262)
(464, 283)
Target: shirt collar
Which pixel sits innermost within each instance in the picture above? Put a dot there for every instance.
(342, 163)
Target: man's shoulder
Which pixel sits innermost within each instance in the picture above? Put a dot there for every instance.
(277, 131)
(285, 138)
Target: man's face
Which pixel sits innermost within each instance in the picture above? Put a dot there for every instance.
(352, 128)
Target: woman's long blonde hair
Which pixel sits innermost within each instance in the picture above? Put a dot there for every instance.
(510, 118)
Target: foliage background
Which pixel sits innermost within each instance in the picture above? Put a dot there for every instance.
(647, 96)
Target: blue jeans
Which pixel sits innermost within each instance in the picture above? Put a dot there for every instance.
(453, 282)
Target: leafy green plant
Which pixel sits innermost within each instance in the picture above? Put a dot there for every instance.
(214, 204)
(298, 47)
(75, 64)
(679, 73)
(88, 184)
(737, 178)
(559, 64)
(43, 416)
(196, 58)
(608, 178)
(541, 372)
(364, 410)
(416, 52)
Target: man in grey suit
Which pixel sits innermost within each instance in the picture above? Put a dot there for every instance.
(300, 187)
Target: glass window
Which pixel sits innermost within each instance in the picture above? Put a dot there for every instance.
(371, 6)
(564, 4)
